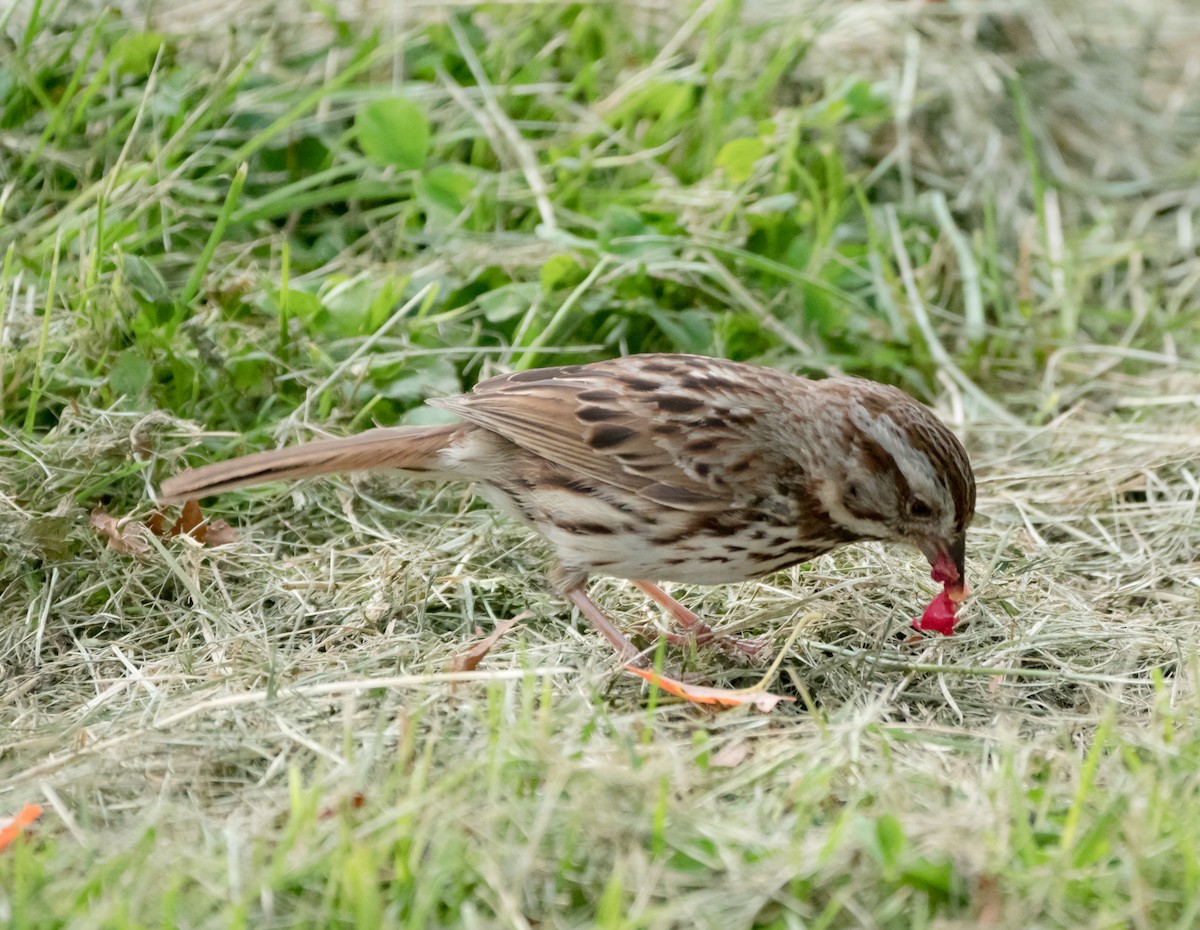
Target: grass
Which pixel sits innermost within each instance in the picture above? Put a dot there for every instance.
(223, 227)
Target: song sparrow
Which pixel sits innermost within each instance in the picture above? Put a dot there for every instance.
(675, 468)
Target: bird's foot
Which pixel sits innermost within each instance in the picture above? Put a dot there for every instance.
(756, 695)
(698, 631)
(707, 637)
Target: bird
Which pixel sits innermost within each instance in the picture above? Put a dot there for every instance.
(673, 468)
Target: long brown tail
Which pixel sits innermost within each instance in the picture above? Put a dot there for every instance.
(403, 448)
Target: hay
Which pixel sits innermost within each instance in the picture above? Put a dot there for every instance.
(1085, 572)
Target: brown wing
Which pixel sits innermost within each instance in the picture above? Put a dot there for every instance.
(669, 428)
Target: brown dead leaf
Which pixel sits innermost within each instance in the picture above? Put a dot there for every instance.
(220, 533)
(124, 539)
(468, 661)
(191, 521)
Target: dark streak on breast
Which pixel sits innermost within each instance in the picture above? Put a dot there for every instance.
(591, 529)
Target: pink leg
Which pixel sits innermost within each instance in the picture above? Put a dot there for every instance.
(600, 621)
(701, 632)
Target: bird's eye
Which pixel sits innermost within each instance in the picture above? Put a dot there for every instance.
(920, 509)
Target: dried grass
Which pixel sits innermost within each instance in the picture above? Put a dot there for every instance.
(352, 599)
(216, 697)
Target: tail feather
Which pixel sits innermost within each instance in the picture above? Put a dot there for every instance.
(403, 448)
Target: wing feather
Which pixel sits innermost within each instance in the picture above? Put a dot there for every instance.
(605, 425)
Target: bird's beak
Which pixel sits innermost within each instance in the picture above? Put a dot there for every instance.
(949, 564)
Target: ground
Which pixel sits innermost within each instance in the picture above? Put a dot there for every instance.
(225, 227)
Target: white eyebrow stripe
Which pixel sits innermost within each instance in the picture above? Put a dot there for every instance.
(913, 464)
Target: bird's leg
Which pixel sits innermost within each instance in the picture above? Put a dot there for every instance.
(700, 632)
(600, 621)
(698, 694)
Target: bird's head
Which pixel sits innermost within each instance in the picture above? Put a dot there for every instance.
(905, 478)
